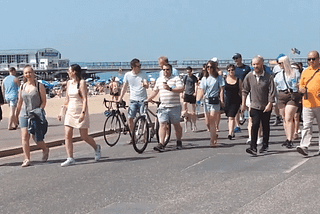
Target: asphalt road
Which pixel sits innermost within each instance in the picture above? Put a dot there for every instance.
(196, 179)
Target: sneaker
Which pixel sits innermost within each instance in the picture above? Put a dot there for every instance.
(159, 148)
(179, 144)
(277, 121)
(285, 143)
(264, 149)
(302, 150)
(97, 153)
(237, 129)
(26, 163)
(251, 151)
(68, 162)
(290, 145)
(260, 140)
(249, 141)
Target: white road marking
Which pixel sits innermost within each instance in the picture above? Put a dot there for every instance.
(296, 166)
(195, 164)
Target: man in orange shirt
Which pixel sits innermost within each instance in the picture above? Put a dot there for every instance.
(310, 87)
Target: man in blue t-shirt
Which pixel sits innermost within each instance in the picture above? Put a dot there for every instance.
(137, 81)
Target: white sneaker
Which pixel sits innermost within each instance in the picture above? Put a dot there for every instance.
(260, 140)
(68, 162)
(97, 153)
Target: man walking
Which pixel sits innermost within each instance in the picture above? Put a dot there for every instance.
(10, 87)
(241, 70)
(310, 87)
(190, 90)
(137, 81)
(169, 110)
(262, 90)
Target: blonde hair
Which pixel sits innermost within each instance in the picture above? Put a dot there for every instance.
(287, 66)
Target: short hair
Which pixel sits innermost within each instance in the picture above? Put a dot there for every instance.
(170, 66)
(164, 58)
(258, 57)
(12, 69)
(231, 66)
(189, 68)
(134, 61)
(314, 52)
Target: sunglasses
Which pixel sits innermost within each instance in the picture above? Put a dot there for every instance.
(234, 58)
(230, 69)
(166, 69)
(313, 59)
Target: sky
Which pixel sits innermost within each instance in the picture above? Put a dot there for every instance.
(120, 30)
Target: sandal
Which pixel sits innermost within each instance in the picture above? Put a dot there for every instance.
(45, 156)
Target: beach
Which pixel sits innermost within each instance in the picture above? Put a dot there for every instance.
(95, 104)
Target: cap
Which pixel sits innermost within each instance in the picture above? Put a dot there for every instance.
(236, 55)
(280, 55)
(214, 59)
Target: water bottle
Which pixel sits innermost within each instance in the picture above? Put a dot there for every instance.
(294, 85)
(197, 108)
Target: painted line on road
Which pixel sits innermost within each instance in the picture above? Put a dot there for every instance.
(296, 166)
(199, 162)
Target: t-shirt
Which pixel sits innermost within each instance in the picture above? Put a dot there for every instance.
(137, 91)
(242, 71)
(292, 82)
(168, 98)
(211, 85)
(189, 84)
(313, 87)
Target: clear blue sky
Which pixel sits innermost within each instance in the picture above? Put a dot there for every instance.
(119, 30)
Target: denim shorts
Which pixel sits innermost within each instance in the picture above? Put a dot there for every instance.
(13, 102)
(171, 114)
(135, 107)
(210, 107)
(23, 122)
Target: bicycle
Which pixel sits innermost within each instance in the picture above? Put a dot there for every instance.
(112, 127)
(144, 129)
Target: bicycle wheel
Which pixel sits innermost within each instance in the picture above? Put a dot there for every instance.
(140, 134)
(112, 130)
(168, 134)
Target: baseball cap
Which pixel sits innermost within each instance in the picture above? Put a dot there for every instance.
(280, 55)
(214, 59)
(236, 55)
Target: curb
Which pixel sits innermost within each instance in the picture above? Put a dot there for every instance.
(18, 150)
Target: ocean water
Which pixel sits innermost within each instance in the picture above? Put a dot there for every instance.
(108, 75)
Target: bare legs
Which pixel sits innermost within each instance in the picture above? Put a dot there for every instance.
(84, 136)
(212, 118)
(287, 114)
(12, 121)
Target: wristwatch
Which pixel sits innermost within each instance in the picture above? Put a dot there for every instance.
(170, 89)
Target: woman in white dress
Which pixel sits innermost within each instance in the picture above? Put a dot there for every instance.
(76, 114)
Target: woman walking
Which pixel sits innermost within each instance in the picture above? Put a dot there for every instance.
(211, 88)
(233, 90)
(76, 114)
(288, 97)
(32, 96)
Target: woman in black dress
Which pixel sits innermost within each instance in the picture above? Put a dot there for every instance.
(233, 90)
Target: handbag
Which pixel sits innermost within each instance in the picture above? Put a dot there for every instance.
(295, 96)
(214, 100)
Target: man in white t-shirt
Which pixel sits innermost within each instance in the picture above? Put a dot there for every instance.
(169, 110)
(138, 83)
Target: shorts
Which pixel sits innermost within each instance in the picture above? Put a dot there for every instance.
(169, 114)
(189, 99)
(210, 107)
(23, 122)
(134, 107)
(13, 102)
(285, 99)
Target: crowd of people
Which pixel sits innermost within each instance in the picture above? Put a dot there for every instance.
(288, 89)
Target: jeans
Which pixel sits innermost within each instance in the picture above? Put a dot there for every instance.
(308, 116)
(258, 116)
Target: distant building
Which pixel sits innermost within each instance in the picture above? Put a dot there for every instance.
(39, 59)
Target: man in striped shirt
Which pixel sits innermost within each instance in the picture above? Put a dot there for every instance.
(169, 110)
